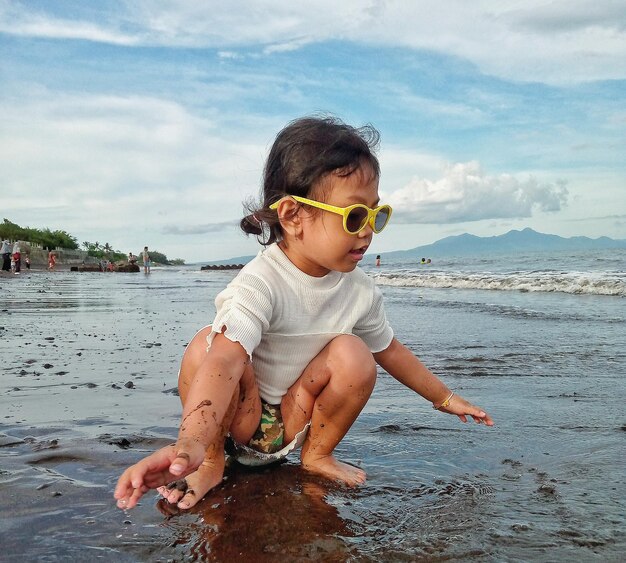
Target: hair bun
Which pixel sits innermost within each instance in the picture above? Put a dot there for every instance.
(250, 224)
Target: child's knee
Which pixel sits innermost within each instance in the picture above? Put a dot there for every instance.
(193, 356)
(352, 358)
(199, 341)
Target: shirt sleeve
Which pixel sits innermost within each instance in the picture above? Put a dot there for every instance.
(244, 310)
(373, 328)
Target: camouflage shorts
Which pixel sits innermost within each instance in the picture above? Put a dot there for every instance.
(268, 437)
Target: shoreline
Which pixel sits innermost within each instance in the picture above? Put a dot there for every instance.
(63, 268)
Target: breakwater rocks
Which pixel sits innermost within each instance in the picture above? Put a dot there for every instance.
(127, 268)
(222, 267)
(89, 268)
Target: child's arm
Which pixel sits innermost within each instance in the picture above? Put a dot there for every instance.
(205, 405)
(403, 365)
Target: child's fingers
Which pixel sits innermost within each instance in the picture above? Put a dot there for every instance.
(126, 494)
(156, 480)
(138, 471)
(120, 489)
(124, 485)
(180, 464)
(152, 468)
(481, 417)
(159, 468)
(142, 476)
(188, 457)
(122, 502)
(131, 500)
(137, 494)
(487, 420)
(463, 409)
(123, 494)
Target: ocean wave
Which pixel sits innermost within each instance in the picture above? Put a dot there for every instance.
(577, 283)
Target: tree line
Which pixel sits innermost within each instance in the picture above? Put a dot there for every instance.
(106, 251)
(61, 239)
(44, 237)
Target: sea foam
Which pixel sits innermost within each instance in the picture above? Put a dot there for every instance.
(571, 282)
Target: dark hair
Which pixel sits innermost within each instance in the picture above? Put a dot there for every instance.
(304, 152)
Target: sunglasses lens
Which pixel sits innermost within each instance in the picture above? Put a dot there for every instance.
(356, 219)
(382, 217)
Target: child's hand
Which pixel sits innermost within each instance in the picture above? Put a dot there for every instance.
(462, 408)
(162, 467)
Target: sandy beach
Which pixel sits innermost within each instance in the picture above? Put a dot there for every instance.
(88, 387)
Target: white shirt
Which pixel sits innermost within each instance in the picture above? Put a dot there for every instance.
(283, 317)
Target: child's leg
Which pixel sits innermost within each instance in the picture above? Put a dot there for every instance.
(241, 420)
(331, 392)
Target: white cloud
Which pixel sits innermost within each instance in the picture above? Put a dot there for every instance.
(399, 165)
(121, 167)
(552, 42)
(228, 55)
(466, 193)
(286, 47)
(23, 22)
(199, 229)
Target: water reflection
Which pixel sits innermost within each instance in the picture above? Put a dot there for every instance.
(261, 515)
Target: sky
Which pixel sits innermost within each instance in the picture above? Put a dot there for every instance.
(147, 122)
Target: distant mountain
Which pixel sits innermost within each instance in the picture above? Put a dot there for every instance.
(526, 240)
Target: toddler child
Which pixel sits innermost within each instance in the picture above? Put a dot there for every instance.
(299, 332)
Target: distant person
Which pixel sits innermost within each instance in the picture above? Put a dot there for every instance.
(292, 353)
(132, 259)
(428, 261)
(17, 257)
(423, 260)
(27, 261)
(52, 260)
(145, 256)
(378, 260)
(6, 255)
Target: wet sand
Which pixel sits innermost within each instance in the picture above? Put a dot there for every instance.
(88, 387)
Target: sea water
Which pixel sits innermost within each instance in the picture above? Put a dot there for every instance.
(537, 340)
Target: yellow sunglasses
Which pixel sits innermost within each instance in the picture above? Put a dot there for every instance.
(355, 217)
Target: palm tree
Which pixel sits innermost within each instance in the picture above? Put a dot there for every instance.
(107, 247)
(86, 245)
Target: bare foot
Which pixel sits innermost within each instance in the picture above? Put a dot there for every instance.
(187, 492)
(331, 468)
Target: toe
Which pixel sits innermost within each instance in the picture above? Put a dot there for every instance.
(188, 500)
(173, 496)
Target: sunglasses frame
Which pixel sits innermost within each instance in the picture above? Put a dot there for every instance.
(344, 212)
